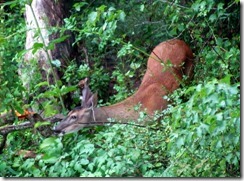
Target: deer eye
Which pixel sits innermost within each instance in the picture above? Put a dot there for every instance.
(73, 117)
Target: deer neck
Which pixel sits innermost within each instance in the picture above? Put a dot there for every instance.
(123, 111)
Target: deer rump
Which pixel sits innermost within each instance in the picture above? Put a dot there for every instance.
(166, 66)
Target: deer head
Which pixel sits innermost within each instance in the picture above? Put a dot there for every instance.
(81, 116)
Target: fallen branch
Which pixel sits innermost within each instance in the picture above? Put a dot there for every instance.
(44, 130)
(30, 124)
(10, 128)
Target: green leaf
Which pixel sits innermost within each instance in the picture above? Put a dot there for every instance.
(44, 83)
(219, 144)
(92, 16)
(228, 157)
(36, 47)
(55, 41)
(122, 16)
(48, 142)
(84, 161)
(179, 142)
(135, 154)
(78, 166)
(56, 62)
(226, 79)
(3, 166)
(38, 124)
(213, 17)
(50, 158)
(65, 90)
(79, 5)
(18, 108)
(142, 7)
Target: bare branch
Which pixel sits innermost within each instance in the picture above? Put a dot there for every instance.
(44, 130)
(30, 124)
(10, 128)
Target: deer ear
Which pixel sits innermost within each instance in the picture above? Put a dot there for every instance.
(86, 95)
(92, 101)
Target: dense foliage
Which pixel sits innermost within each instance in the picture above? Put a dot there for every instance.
(197, 136)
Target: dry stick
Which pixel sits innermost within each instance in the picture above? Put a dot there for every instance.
(130, 124)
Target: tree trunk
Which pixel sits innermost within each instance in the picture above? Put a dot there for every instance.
(41, 17)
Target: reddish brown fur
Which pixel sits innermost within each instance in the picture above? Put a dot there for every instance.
(158, 81)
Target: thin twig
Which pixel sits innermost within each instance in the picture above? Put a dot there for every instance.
(115, 122)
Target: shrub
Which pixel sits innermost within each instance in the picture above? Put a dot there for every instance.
(205, 141)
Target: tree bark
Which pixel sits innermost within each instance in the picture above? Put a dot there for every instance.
(47, 15)
(42, 17)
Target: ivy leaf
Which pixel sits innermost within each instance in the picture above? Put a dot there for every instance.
(78, 166)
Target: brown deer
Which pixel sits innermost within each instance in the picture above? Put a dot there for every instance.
(167, 64)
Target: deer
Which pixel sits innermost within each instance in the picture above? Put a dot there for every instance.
(167, 65)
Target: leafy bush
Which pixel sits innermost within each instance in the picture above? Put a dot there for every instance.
(12, 42)
(205, 142)
(110, 151)
(202, 143)
(197, 136)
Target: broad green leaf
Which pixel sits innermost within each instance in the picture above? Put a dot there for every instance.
(219, 144)
(122, 16)
(59, 40)
(142, 7)
(50, 158)
(38, 124)
(78, 166)
(65, 90)
(48, 142)
(92, 16)
(226, 79)
(179, 142)
(56, 62)
(84, 161)
(36, 47)
(45, 83)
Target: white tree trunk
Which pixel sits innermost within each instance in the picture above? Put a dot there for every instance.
(47, 15)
